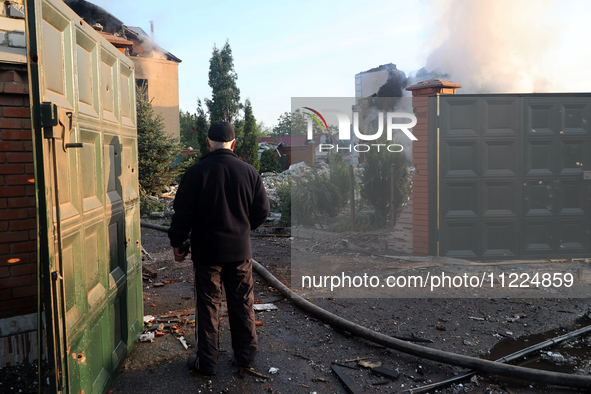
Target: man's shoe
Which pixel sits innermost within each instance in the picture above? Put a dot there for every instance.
(242, 365)
(192, 361)
(193, 364)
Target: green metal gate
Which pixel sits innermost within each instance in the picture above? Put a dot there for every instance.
(85, 144)
(510, 176)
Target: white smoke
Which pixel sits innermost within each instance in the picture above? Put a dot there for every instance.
(496, 46)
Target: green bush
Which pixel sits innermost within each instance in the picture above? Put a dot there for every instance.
(184, 165)
(284, 194)
(375, 180)
(269, 162)
(321, 197)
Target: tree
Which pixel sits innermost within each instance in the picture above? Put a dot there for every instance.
(293, 123)
(225, 99)
(269, 162)
(157, 150)
(296, 123)
(376, 175)
(189, 137)
(201, 129)
(250, 146)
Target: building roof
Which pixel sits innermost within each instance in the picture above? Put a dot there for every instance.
(434, 83)
(118, 42)
(387, 67)
(298, 140)
(295, 140)
(92, 14)
(139, 34)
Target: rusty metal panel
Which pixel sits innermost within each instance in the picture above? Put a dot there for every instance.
(83, 99)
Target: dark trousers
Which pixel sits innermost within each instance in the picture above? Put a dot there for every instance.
(237, 280)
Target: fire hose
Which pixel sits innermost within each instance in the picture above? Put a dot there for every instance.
(486, 366)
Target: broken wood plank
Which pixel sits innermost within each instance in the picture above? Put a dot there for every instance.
(145, 252)
(250, 371)
(347, 381)
(149, 270)
(355, 359)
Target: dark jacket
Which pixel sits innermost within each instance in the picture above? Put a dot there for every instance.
(220, 200)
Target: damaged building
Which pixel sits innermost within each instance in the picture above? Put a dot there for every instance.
(156, 69)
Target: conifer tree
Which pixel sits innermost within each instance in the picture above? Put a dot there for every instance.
(157, 150)
(225, 98)
(187, 122)
(250, 146)
(201, 129)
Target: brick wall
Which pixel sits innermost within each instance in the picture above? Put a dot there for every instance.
(420, 189)
(420, 153)
(18, 226)
(296, 154)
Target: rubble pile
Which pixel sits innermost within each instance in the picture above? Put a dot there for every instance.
(272, 182)
(167, 200)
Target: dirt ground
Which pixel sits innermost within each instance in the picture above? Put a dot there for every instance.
(302, 348)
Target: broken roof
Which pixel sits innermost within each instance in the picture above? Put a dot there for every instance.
(139, 34)
(92, 14)
(389, 66)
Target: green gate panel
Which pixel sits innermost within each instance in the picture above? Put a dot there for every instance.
(82, 92)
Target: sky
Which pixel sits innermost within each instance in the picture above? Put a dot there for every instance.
(314, 48)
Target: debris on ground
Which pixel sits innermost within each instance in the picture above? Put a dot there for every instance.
(149, 271)
(148, 318)
(183, 342)
(264, 307)
(554, 357)
(147, 337)
(355, 359)
(347, 381)
(368, 364)
(273, 370)
(385, 373)
(146, 254)
(160, 365)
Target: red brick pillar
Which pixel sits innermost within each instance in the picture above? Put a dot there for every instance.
(18, 227)
(420, 157)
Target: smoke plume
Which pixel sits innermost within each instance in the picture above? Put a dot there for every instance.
(494, 46)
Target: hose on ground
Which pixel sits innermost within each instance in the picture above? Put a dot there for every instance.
(491, 367)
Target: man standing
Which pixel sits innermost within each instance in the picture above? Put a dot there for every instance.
(220, 200)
